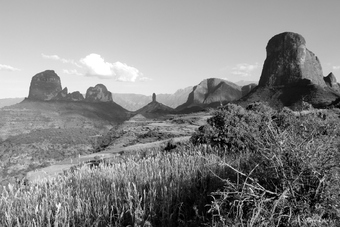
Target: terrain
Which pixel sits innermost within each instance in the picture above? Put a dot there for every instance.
(91, 162)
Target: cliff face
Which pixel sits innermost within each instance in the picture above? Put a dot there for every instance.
(45, 86)
(289, 62)
(212, 91)
(291, 75)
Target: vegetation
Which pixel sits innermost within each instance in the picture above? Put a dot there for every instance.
(251, 166)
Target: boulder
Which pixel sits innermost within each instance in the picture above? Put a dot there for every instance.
(99, 93)
(289, 62)
(44, 86)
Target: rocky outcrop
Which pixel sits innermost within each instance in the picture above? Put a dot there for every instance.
(153, 97)
(247, 88)
(212, 92)
(292, 75)
(65, 96)
(331, 82)
(99, 93)
(289, 62)
(44, 86)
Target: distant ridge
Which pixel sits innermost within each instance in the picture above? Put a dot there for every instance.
(134, 102)
(10, 101)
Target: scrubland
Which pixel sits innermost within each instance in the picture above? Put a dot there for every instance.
(251, 166)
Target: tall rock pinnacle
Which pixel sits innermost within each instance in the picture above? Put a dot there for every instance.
(44, 86)
(289, 62)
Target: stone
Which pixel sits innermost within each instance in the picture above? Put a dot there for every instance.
(75, 96)
(153, 97)
(44, 86)
(289, 63)
(99, 93)
(65, 96)
(331, 82)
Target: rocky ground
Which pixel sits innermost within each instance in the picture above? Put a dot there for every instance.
(46, 152)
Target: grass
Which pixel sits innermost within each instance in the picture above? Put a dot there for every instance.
(246, 167)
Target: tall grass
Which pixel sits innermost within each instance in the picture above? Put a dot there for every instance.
(246, 167)
(168, 189)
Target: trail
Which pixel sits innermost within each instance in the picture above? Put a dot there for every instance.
(54, 170)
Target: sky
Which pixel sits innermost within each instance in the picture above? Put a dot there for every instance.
(153, 46)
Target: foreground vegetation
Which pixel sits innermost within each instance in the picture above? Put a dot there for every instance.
(246, 167)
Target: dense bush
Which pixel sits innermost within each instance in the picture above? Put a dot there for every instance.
(286, 165)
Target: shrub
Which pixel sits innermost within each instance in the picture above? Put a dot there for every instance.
(285, 166)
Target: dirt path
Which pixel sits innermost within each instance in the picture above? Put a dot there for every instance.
(52, 171)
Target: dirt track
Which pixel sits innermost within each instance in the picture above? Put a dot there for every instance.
(180, 127)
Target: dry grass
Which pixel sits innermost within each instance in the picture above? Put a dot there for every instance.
(285, 174)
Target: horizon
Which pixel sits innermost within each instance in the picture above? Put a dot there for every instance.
(154, 47)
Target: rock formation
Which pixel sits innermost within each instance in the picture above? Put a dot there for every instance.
(330, 80)
(291, 75)
(289, 62)
(212, 92)
(44, 86)
(247, 88)
(99, 93)
(154, 109)
(65, 96)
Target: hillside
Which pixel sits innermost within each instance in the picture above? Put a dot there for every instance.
(10, 101)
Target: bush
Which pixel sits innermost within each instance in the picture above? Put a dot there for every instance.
(285, 166)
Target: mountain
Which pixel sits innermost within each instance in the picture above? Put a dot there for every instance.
(213, 92)
(10, 101)
(131, 102)
(52, 124)
(134, 102)
(291, 75)
(154, 109)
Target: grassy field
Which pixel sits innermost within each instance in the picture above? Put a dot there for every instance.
(249, 166)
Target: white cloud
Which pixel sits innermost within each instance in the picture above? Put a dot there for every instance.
(8, 68)
(72, 72)
(244, 69)
(336, 67)
(96, 66)
(63, 60)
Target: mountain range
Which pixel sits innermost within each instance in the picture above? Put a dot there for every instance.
(51, 123)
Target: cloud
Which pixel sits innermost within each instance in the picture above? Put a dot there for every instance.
(244, 69)
(8, 68)
(97, 67)
(63, 60)
(336, 67)
(72, 72)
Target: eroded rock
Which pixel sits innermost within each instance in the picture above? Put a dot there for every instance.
(45, 86)
(99, 93)
(289, 62)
